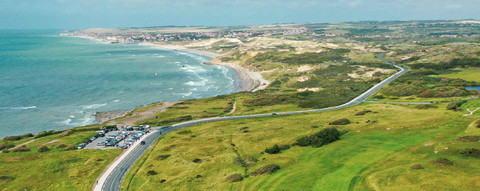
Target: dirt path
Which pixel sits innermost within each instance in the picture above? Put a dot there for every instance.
(471, 112)
(138, 116)
(21, 144)
(234, 108)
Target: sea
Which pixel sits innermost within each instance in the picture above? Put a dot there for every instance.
(49, 82)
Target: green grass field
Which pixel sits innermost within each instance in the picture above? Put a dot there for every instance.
(56, 169)
(372, 156)
(467, 75)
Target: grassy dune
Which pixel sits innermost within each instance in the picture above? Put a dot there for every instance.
(373, 155)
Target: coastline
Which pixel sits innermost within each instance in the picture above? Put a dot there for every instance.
(248, 80)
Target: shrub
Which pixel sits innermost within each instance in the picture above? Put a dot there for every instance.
(267, 169)
(477, 124)
(443, 161)
(184, 132)
(12, 138)
(425, 106)
(469, 139)
(455, 105)
(61, 146)
(151, 172)
(416, 167)
(162, 157)
(163, 180)
(362, 112)
(6, 146)
(319, 139)
(21, 149)
(26, 135)
(273, 150)
(471, 152)
(45, 133)
(43, 148)
(5, 151)
(70, 147)
(65, 133)
(197, 160)
(343, 121)
(235, 178)
(6, 178)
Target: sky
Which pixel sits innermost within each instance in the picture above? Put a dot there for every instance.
(77, 14)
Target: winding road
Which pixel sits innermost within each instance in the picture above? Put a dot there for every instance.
(112, 177)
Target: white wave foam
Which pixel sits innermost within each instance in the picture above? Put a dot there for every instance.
(115, 101)
(94, 106)
(200, 83)
(156, 84)
(66, 122)
(72, 116)
(19, 108)
(186, 94)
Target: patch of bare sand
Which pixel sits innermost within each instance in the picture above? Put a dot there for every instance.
(303, 78)
(309, 89)
(138, 116)
(369, 74)
(304, 68)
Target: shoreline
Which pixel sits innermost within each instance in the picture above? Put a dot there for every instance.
(247, 80)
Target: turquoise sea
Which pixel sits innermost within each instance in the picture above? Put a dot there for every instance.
(48, 82)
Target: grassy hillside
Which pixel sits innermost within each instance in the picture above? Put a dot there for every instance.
(376, 153)
(55, 169)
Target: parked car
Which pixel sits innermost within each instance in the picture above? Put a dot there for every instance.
(142, 143)
(81, 146)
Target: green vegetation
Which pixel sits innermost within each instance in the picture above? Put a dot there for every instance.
(467, 75)
(366, 157)
(48, 163)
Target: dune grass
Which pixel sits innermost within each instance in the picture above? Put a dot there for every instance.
(373, 155)
(56, 169)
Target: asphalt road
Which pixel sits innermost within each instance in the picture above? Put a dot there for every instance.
(114, 179)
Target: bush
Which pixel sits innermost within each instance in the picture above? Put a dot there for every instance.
(184, 132)
(319, 139)
(12, 138)
(61, 146)
(425, 106)
(21, 149)
(6, 146)
(43, 148)
(455, 105)
(45, 133)
(197, 160)
(151, 172)
(362, 112)
(5, 151)
(65, 133)
(443, 161)
(469, 139)
(162, 157)
(235, 178)
(70, 147)
(267, 169)
(471, 152)
(416, 167)
(477, 124)
(343, 121)
(26, 135)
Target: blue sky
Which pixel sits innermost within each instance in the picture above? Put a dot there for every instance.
(74, 14)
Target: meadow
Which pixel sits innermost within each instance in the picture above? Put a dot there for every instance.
(376, 153)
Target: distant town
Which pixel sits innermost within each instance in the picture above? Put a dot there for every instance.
(305, 30)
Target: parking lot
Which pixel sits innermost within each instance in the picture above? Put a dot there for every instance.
(116, 139)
